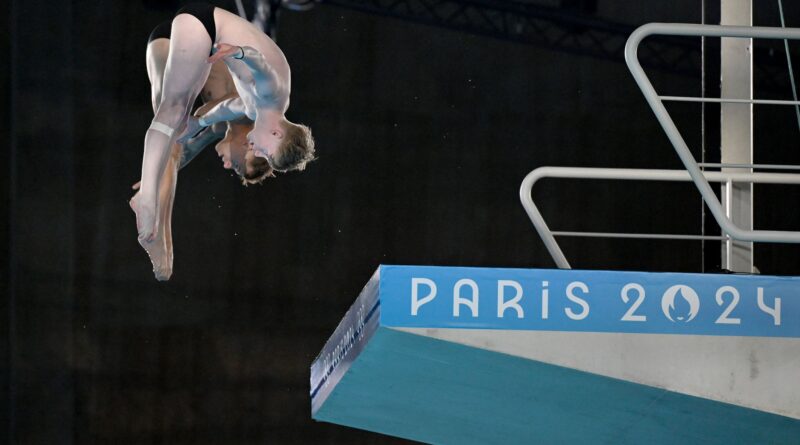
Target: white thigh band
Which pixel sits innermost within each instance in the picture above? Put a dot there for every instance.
(158, 126)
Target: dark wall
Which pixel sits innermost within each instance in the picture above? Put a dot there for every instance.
(5, 233)
(423, 136)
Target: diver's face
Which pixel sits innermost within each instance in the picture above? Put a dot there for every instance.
(234, 150)
(265, 140)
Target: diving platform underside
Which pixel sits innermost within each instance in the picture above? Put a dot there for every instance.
(480, 355)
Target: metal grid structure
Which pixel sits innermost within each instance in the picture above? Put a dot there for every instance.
(536, 24)
(731, 231)
(561, 28)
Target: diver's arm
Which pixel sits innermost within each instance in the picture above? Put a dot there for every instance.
(201, 140)
(264, 76)
(195, 145)
(227, 110)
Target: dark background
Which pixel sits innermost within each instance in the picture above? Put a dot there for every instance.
(423, 136)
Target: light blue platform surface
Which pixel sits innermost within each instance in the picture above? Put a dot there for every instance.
(373, 377)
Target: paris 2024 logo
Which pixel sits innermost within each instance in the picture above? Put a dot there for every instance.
(680, 303)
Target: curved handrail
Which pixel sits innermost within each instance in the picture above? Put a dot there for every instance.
(625, 174)
(631, 48)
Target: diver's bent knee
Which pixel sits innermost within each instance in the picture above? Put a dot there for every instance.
(171, 110)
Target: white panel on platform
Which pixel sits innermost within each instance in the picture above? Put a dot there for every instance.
(481, 355)
(760, 373)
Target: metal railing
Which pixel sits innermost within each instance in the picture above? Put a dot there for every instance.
(693, 172)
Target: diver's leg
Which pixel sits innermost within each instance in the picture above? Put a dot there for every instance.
(160, 248)
(167, 200)
(185, 74)
(156, 61)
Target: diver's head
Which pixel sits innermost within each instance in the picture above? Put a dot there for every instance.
(234, 150)
(285, 145)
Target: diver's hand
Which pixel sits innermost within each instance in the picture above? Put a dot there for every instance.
(223, 50)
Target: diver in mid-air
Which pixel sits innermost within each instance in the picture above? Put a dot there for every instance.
(260, 76)
(233, 147)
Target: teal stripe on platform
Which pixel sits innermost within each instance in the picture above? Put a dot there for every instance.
(440, 392)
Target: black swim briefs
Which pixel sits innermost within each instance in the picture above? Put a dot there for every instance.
(205, 13)
(162, 31)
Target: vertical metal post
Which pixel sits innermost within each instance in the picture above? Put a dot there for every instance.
(727, 200)
(736, 126)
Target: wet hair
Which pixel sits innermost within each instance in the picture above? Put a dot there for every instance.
(261, 170)
(296, 150)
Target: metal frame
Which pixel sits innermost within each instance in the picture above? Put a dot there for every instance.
(692, 173)
(630, 174)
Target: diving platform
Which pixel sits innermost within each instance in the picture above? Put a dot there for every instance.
(457, 355)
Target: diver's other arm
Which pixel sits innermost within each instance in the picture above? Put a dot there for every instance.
(227, 110)
(264, 76)
(195, 145)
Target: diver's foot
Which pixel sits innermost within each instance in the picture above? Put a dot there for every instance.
(165, 235)
(160, 256)
(145, 219)
(155, 245)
